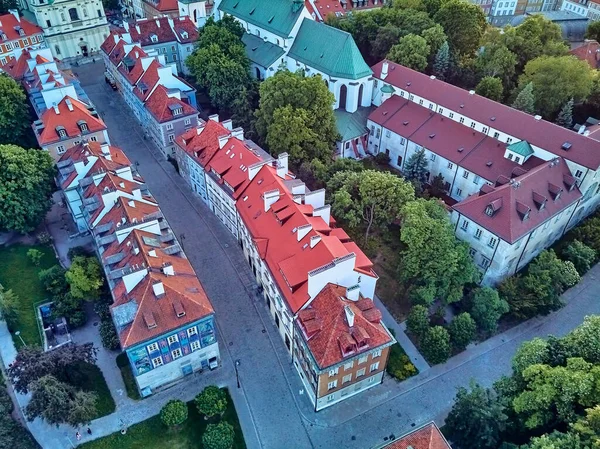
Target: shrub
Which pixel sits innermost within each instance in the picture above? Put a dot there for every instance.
(569, 274)
(174, 413)
(212, 401)
(399, 365)
(417, 322)
(462, 330)
(218, 436)
(486, 308)
(382, 159)
(53, 280)
(44, 238)
(108, 334)
(76, 318)
(581, 255)
(435, 345)
(35, 256)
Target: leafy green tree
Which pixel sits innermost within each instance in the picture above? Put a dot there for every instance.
(67, 306)
(433, 261)
(211, 401)
(417, 321)
(581, 255)
(5, 5)
(441, 61)
(218, 436)
(387, 36)
(490, 87)
(532, 352)
(108, 334)
(35, 256)
(26, 185)
(435, 37)
(85, 278)
(462, 330)
(525, 100)
(409, 4)
(497, 61)
(174, 413)
(9, 303)
(464, 24)
(556, 440)
(486, 308)
(411, 51)
(244, 105)
(372, 198)
(53, 280)
(435, 345)
(588, 233)
(476, 420)
(59, 403)
(565, 116)
(305, 105)
(588, 427)
(14, 115)
(584, 340)
(415, 168)
(593, 31)
(557, 79)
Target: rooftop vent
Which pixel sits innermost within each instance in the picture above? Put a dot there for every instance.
(537, 117)
(432, 77)
(566, 146)
(489, 163)
(493, 119)
(471, 92)
(461, 149)
(432, 135)
(405, 122)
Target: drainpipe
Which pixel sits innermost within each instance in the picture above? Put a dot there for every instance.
(522, 252)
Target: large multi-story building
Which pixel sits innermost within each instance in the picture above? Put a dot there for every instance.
(517, 182)
(17, 33)
(163, 317)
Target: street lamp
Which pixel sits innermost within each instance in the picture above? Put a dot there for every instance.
(18, 334)
(237, 374)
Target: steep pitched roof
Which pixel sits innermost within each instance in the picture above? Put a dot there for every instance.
(10, 25)
(158, 27)
(512, 209)
(161, 106)
(202, 143)
(352, 125)
(185, 30)
(16, 68)
(276, 16)
(326, 330)
(425, 437)
(260, 52)
(340, 57)
(148, 80)
(131, 66)
(540, 133)
(589, 52)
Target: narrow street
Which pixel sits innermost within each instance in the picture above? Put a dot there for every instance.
(273, 412)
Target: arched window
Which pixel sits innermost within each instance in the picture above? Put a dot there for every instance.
(62, 17)
(258, 32)
(326, 83)
(57, 50)
(73, 14)
(343, 95)
(85, 13)
(360, 94)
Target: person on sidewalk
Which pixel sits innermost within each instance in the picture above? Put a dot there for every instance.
(78, 436)
(89, 431)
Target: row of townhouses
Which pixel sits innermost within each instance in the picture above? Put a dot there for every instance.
(516, 182)
(17, 33)
(316, 282)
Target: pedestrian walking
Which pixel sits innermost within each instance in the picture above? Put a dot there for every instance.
(89, 431)
(78, 436)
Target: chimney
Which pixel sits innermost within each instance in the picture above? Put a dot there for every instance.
(105, 149)
(314, 240)
(384, 70)
(159, 289)
(324, 212)
(303, 230)
(137, 28)
(136, 250)
(586, 133)
(227, 124)
(126, 26)
(15, 13)
(69, 104)
(254, 169)
(223, 140)
(282, 165)
(349, 316)
(168, 270)
(471, 92)
(131, 203)
(214, 117)
(352, 293)
(152, 253)
(270, 197)
(158, 23)
(56, 110)
(238, 133)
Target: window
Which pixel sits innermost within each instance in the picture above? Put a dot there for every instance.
(62, 133)
(171, 137)
(478, 234)
(462, 120)
(421, 102)
(411, 97)
(492, 242)
(378, 133)
(192, 331)
(401, 140)
(432, 157)
(173, 48)
(331, 385)
(330, 397)
(152, 347)
(348, 365)
(510, 156)
(99, 13)
(333, 372)
(172, 339)
(156, 362)
(176, 353)
(346, 379)
(450, 165)
(484, 130)
(374, 367)
(94, 139)
(517, 159)
(376, 353)
(473, 125)
(361, 372)
(195, 345)
(363, 359)
(466, 174)
(388, 133)
(496, 135)
(465, 225)
(60, 149)
(458, 191)
(430, 105)
(485, 262)
(85, 13)
(578, 174)
(472, 252)
(73, 14)
(48, 24)
(187, 121)
(509, 140)
(169, 126)
(476, 179)
(451, 115)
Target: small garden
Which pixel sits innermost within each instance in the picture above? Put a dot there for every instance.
(207, 422)
(399, 365)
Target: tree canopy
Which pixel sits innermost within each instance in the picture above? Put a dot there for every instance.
(85, 278)
(26, 186)
(14, 113)
(490, 87)
(411, 51)
(464, 24)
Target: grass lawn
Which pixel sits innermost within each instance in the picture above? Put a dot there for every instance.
(18, 274)
(152, 434)
(90, 378)
(128, 379)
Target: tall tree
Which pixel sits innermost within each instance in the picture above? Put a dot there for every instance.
(490, 87)
(435, 37)
(476, 420)
(557, 79)
(464, 24)
(462, 330)
(85, 278)
(435, 345)
(565, 116)
(14, 115)
(525, 101)
(9, 302)
(415, 168)
(303, 103)
(371, 198)
(26, 185)
(486, 308)
(497, 61)
(442, 61)
(593, 31)
(5, 5)
(411, 51)
(387, 36)
(433, 262)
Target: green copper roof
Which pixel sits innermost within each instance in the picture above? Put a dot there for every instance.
(329, 50)
(387, 89)
(275, 16)
(260, 52)
(523, 148)
(352, 125)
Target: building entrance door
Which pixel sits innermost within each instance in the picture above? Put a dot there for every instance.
(84, 50)
(186, 369)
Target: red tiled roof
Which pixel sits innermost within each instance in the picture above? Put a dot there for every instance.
(127, 210)
(68, 120)
(327, 332)
(400, 116)
(185, 24)
(160, 103)
(149, 80)
(162, 5)
(426, 437)
(326, 7)
(589, 52)
(111, 40)
(203, 146)
(16, 68)
(117, 53)
(9, 26)
(511, 201)
(543, 134)
(288, 259)
(158, 27)
(133, 72)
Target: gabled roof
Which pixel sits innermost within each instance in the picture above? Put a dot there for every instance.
(9, 25)
(326, 331)
(158, 27)
(16, 68)
(589, 52)
(323, 8)
(276, 16)
(149, 80)
(512, 208)
(68, 120)
(202, 143)
(162, 5)
(339, 57)
(425, 437)
(131, 65)
(260, 52)
(540, 133)
(522, 148)
(183, 25)
(161, 106)
(127, 210)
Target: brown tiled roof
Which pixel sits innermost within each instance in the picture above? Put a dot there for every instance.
(160, 105)
(426, 437)
(134, 72)
(202, 143)
(9, 25)
(589, 52)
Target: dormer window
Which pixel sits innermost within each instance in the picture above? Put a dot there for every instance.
(83, 127)
(489, 211)
(184, 34)
(178, 111)
(154, 38)
(21, 31)
(3, 35)
(61, 131)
